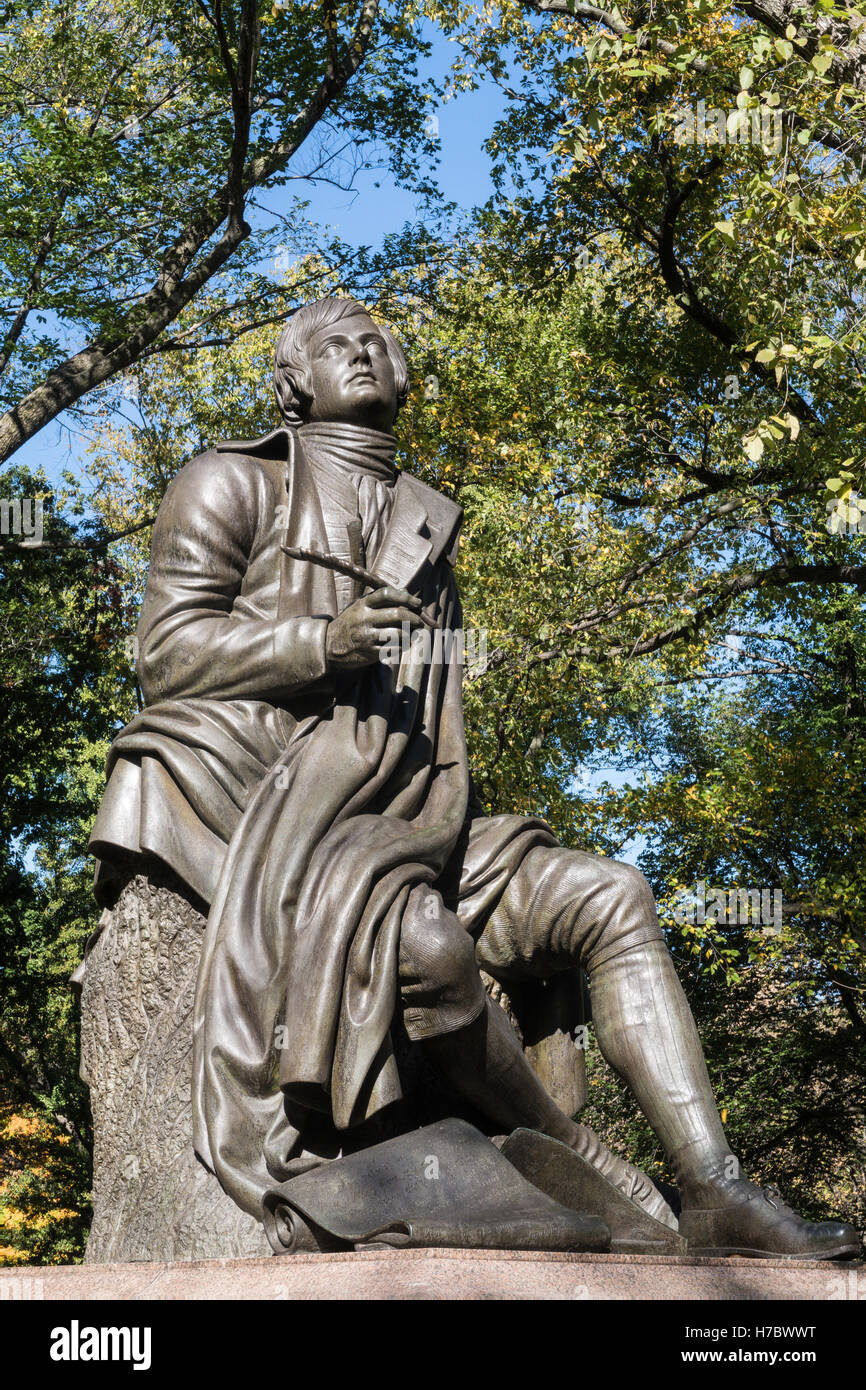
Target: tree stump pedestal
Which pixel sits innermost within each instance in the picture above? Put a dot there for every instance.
(152, 1198)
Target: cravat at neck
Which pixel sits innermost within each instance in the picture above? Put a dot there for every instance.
(352, 447)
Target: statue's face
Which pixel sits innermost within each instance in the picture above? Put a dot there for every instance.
(352, 374)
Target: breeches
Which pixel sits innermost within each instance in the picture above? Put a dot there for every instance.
(561, 909)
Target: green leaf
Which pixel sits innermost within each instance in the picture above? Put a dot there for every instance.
(753, 446)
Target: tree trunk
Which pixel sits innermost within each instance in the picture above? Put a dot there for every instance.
(152, 1199)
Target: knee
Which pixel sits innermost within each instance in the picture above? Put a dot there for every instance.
(626, 889)
(436, 954)
(625, 914)
(440, 984)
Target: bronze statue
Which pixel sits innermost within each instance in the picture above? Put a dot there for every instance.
(317, 797)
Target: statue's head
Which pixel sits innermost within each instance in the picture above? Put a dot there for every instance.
(334, 363)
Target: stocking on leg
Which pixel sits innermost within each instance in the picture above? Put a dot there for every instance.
(486, 1063)
(646, 1032)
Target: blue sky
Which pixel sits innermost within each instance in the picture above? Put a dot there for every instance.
(463, 172)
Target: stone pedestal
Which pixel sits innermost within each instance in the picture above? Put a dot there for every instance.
(443, 1275)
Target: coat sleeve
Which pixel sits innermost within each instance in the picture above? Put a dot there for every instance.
(189, 642)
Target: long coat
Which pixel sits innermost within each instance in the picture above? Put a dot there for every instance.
(236, 630)
(302, 807)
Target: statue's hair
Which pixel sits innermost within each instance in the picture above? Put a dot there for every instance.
(292, 377)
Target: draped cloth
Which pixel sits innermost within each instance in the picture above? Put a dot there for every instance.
(298, 981)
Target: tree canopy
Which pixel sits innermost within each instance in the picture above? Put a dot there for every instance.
(140, 140)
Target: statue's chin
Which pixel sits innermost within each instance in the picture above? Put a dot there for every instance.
(368, 393)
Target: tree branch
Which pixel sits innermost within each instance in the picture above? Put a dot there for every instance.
(775, 576)
(78, 542)
(851, 149)
(181, 275)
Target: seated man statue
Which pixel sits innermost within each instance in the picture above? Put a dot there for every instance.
(316, 795)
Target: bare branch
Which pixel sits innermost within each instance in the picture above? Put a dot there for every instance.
(79, 542)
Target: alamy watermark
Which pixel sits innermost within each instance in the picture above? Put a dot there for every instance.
(21, 1288)
(730, 907)
(698, 126)
(77, 1343)
(22, 516)
(436, 647)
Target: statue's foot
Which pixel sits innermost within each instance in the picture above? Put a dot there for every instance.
(630, 1180)
(732, 1216)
